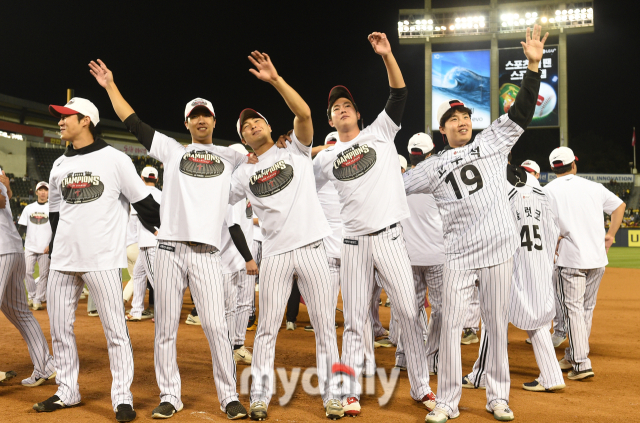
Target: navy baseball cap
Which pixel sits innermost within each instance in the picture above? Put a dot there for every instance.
(339, 91)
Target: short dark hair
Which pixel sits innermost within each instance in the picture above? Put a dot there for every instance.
(417, 158)
(451, 111)
(154, 180)
(92, 127)
(562, 169)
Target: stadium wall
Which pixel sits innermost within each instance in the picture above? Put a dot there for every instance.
(13, 156)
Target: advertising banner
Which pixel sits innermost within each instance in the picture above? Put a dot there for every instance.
(465, 76)
(512, 67)
(601, 178)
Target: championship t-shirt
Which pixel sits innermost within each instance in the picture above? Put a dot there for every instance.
(257, 230)
(366, 173)
(132, 227)
(36, 218)
(196, 189)
(330, 203)
(282, 192)
(92, 193)
(423, 231)
(10, 240)
(146, 238)
(240, 214)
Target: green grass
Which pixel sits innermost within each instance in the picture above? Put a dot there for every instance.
(627, 257)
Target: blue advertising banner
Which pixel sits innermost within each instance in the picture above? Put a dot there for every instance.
(601, 178)
(465, 76)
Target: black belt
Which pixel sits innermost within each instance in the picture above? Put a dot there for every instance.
(382, 230)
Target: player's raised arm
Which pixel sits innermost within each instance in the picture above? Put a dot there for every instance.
(265, 71)
(398, 96)
(522, 110)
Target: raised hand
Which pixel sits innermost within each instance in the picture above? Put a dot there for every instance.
(102, 74)
(380, 43)
(264, 71)
(534, 46)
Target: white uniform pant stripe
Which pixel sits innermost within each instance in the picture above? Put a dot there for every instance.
(378, 329)
(472, 315)
(198, 267)
(310, 264)
(386, 252)
(577, 291)
(43, 267)
(139, 278)
(30, 259)
(63, 294)
(13, 304)
(231, 302)
(132, 256)
(244, 306)
(493, 288)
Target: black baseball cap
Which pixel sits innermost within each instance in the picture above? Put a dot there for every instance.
(339, 91)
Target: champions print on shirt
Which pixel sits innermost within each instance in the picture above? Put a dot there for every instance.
(201, 164)
(271, 180)
(38, 218)
(354, 162)
(81, 187)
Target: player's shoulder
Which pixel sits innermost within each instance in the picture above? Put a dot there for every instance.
(538, 191)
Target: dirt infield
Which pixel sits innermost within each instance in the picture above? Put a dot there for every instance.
(610, 395)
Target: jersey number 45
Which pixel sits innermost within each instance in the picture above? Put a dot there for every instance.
(525, 237)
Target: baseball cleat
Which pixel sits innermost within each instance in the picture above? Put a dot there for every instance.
(382, 341)
(308, 328)
(334, 409)
(258, 410)
(535, 386)
(125, 413)
(401, 367)
(32, 381)
(564, 364)
(132, 318)
(51, 404)
(557, 340)
(94, 313)
(164, 411)
(235, 410)
(6, 376)
(438, 415)
(469, 337)
(429, 401)
(252, 324)
(37, 306)
(291, 326)
(583, 374)
(528, 341)
(147, 314)
(501, 412)
(466, 383)
(242, 356)
(351, 406)
(30, 302)
(193, 320)
(387, 303)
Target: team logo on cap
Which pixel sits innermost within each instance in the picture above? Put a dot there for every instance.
(195, 103)
(272, 180)
(81, 187)
(39, 218)
(354, 162)
(249, 210)
(201, 164)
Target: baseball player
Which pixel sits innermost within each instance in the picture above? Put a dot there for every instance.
(471, 321)
(361, 166)
(188, 252)
(256, 252)
(532, 296)
(13, 302)
(91, 186)
(425, 243)
(143, 269)
(281, 189)
(34, 222)
(582, 252)
(467, 180)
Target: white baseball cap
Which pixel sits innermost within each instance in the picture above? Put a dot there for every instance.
(198, 102)
(403, 161)
(561, 156)
(420, 143)
(239, 148)
(42, 184)
(445, 106)
(247, 114)
(331, 138)
(530, 166)
(77, 105)
(149, 172)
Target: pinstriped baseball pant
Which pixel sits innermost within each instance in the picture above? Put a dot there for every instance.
(310, 264)
(558, 319)
(243, 306)
(13, 304)
(494, 285)
(132, 256)
(386, 252)
(63, 293)
(427, 277)
(142, 271)
(577, 291)
(472, 315)
(36, 291)
(177, 266)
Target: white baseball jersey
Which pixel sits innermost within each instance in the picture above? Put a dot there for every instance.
(330, 203)
(532, 302)
(146, 238)
(36, 218)
(197, 179)
(468, 184)
(282, 192)
(92, 192)
(241, 214)
(132, 227)
(579, 204)
(257, 230)
(371, 200)
(10, 240)
(423, 231)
